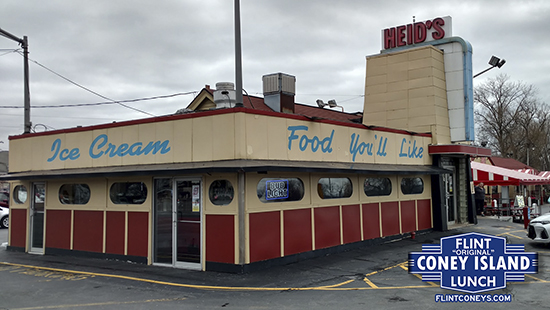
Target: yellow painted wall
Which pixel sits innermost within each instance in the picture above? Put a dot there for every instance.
(407, 90)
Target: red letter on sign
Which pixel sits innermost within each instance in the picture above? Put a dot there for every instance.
(400, 33)
(419, 32)
(389, 38)
(439, 33)
(410, 35)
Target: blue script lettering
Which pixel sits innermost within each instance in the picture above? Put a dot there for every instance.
(414, 152)
(381, 146)
(99, 147)
(361, 148)
(63, 154)
(314, 142)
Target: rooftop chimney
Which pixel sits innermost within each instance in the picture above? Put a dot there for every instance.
(279, 91)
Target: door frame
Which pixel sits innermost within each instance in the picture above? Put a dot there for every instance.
(32, 200)
(454, 198)
(175, 263)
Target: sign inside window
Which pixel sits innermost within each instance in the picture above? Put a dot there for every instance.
(277, 189)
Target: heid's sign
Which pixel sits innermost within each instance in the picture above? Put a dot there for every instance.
(417, 32)
(473, 263)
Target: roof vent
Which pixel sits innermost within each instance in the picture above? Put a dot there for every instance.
(225, 95)
(279, 91)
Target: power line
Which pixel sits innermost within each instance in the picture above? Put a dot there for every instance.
(98, 103)
(87, 89)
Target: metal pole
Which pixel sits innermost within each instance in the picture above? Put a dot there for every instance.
(27, 103)
(238, 58)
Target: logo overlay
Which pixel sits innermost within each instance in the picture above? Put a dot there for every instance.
(473, 263)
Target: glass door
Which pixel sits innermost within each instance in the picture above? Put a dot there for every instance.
(448, 184)
(177, 222)
(37, 202)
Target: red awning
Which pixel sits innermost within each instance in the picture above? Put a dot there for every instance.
(544, 174)
(493, 175)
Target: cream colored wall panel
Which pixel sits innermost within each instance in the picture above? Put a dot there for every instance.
(80, 140)
(398, 58)
(318, 201)
(393, 196)
(421, 63)
(374, 69)
(256, 137)
(202, 142)
(42, 152)
(115, 138)
(420, 73)
(402, 104)
(130, 134)
(145, 206)
(398, 95)
(397, 114)
(421, 82)
(223, 138)
(426, 110)
(421, 92)
(38, 159)
(255, 205)
(377, 80)
(374, 98)
(164, 131)
(374, 118)
(101, 161)
(377, 89)
(377, 107)
(277, 135)
(420, 53)
(147, 133)
(398, 86)
(397, 75)
(181, 144)
(98, 194)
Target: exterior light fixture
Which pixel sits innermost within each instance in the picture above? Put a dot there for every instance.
(331, 103)
(494, 62)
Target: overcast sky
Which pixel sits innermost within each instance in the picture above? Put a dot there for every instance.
(134, 49)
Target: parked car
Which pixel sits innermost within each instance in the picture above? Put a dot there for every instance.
(4, 199)
(539, 229)
(4, 217)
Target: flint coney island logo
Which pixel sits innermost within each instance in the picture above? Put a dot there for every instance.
(473, 263)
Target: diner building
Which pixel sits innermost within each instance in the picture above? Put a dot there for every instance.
(217, 186)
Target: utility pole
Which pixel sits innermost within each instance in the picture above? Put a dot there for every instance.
(27, 93)
(238, 56)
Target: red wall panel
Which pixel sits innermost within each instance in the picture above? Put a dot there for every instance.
(297, 231)
(424, 214)
(390, 218)
(115, 229)
(371, 221)
(220, 238)
(138, 230)
(351, 223)
(265, 236)
(408, 216)
(327, 227)
(58, 229)
(18, 227)
(88, 231)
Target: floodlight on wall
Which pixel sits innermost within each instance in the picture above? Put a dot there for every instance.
(494, 62)
(331, 103)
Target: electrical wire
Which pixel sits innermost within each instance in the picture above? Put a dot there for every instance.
(97, 103)
(87, 89)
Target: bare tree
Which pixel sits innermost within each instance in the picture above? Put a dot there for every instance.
(512, 120)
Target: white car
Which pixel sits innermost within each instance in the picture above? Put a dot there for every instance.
(539, 229)
(4, 217)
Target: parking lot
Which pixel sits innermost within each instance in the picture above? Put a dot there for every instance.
(365, 278)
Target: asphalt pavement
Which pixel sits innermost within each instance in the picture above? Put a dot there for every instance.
(370, 277)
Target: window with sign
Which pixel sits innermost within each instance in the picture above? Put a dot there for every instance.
(412, 186)
(128, 193)
(377, 187)
(331, 188)
(279, 189)
(74, 194)
(221, 192)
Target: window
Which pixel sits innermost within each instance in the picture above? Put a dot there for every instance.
(221, 192)
(20, 194)
(377, 187)
(74, 194)
(411, 186)
(329, 188)
(279, 190)
(133, 193)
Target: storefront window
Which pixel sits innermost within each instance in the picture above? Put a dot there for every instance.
(133, 193)
(280, 189)
(20, 194)
(221, 192)
(74, 194)
(330, 188)
(411, 186)
(377, 187)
